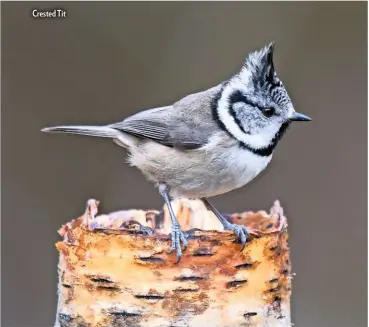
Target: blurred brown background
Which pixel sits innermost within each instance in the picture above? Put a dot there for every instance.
(108, 60)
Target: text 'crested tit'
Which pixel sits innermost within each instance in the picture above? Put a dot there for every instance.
(207, 143)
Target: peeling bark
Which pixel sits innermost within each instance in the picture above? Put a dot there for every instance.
(112, 275)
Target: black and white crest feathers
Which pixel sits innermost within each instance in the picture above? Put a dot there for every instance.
(260, 63)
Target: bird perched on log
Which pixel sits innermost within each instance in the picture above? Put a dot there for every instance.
(207, 143)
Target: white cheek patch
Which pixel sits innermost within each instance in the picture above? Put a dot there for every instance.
(255, 141)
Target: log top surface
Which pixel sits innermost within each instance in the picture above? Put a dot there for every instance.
(111, 275)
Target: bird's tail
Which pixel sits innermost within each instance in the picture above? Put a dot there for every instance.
(98, 131)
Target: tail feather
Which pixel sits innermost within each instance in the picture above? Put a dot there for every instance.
(98, 131)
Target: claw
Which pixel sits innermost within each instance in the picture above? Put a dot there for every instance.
(241, 232)
(178, 237)
(179, 257)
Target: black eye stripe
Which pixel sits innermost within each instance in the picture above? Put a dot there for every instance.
(235, 98)
(238, 96)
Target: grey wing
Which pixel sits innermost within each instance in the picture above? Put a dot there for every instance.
(187, 124)
(163, 126)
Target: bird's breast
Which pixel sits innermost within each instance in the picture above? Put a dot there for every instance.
(242, 167)
(221, 174)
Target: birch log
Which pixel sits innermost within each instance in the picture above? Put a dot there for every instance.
(111, 275)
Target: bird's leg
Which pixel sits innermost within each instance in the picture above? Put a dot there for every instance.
(242, 232)
(177, 235)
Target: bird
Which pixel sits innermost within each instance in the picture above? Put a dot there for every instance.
(207, 143)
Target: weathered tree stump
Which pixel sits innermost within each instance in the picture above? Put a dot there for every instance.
(114, 276)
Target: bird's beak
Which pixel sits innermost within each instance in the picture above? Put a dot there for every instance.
(296, 116)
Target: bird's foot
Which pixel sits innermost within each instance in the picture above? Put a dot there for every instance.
(178, 237)
(241, 232)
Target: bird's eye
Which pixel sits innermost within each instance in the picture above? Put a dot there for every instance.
(268, 112)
